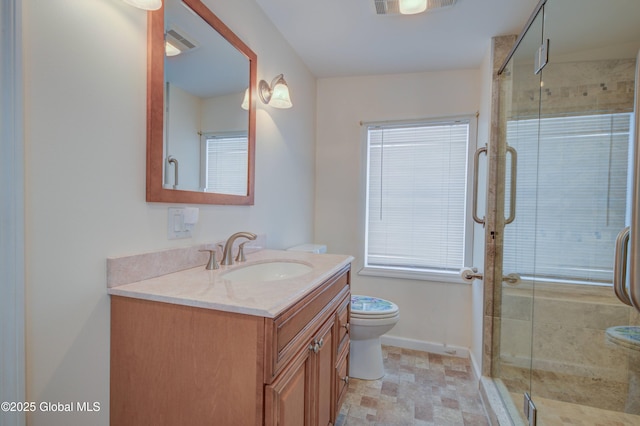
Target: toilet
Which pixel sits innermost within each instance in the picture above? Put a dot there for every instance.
(371, 317)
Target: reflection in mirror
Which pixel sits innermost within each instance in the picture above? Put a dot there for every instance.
(201, 136)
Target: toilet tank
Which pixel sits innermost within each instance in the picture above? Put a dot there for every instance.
(310, 248)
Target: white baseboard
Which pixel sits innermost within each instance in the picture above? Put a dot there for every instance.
(420, 345)
(477, 367)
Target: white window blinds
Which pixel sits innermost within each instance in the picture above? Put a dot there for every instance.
(226, 164)
(571, 196)
(416, 193)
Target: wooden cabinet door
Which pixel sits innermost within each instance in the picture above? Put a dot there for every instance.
(342, 323)
(342, 379)
(324, 375)
(288, 399)
(304, 393)
(342, 353)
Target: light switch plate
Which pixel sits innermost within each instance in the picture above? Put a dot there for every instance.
(176, 228)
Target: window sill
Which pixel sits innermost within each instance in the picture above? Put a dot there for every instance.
(412, 274)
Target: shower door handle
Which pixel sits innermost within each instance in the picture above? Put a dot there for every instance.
(172, 160)
(512, 192)
(512, 279)
(476, 161)
(620, 267)
(512, 198)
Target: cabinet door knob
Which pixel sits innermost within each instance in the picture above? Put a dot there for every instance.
(346, 326)
(345, 379)
(316, 345)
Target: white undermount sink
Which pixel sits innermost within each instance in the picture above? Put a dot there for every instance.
(267, 271)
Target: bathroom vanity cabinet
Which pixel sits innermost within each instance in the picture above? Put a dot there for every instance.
(173, 364)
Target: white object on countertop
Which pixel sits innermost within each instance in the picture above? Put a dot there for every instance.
(310, 248)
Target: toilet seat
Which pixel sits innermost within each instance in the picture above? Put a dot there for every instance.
(374, 317)
(367, 307)
(374, 322)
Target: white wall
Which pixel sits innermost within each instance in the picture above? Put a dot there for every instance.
(217, 116)
(184, 117)
(85, 94)
(12, 297)
(430, 312)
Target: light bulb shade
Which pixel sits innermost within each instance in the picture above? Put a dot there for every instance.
(276, 94)
(245, 100)
(280, 97)
(145, 4)
(170, 49)
(410, 7)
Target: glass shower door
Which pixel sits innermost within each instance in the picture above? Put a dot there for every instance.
(565, 338)
(518, 153)
(583, 182)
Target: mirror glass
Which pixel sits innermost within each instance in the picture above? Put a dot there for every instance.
(201, 113)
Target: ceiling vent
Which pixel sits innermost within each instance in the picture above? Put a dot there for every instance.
(181, 40)
(390, 7)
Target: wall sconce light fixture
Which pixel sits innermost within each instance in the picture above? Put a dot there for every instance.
(410, 7)
(145, 4)
(276, 94)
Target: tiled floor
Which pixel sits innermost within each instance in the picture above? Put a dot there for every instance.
(419, 388)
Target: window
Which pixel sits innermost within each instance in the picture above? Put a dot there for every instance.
(226, 168)
(571, 196)
(416, 199)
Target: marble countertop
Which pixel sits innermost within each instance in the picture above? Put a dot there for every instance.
(201, 288)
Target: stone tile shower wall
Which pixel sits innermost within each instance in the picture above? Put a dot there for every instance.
(605, 86)
(561, 336)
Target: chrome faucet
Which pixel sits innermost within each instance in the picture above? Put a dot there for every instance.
(227, 255)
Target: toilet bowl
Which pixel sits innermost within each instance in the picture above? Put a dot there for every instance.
(371, 317)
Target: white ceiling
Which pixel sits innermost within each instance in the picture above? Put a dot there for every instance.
(347, 37)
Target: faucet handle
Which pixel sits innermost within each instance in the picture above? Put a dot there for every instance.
(240, 257)
(213, 263)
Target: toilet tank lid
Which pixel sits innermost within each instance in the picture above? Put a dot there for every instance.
(310, 248)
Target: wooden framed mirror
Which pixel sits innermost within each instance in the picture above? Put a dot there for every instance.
(201, 115)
